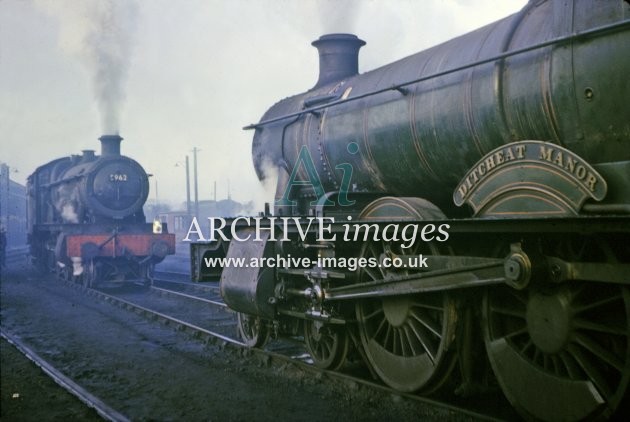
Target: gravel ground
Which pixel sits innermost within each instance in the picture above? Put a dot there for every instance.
(180, 262)
(28, 394)
(148, 371)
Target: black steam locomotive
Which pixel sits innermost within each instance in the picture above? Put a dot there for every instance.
(507, 151)
(85, 218)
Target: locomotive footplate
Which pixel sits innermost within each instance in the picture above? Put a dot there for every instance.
(105, 245)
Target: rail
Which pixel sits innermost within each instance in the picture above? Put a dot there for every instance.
(281, 354)
(66, 383)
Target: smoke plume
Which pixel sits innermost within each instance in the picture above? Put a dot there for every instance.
(100, 33)
(338, 15)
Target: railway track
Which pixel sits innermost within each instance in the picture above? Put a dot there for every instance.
(104, 411)
(200, 292)
(171, 276)
(171, 313)
(178, 304)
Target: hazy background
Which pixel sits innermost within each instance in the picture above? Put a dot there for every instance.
(172, 75)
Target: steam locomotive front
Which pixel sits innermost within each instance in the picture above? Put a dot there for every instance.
(117, 186)
(110, 186)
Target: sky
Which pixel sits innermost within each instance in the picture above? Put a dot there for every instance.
(169, 76)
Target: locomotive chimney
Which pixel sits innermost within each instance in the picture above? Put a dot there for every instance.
(338, 57)
(110, 145)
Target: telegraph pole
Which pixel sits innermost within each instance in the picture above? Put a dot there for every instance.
(187, 189)
(4, 195)
(194, 150)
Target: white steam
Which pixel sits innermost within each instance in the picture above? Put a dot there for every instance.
(338, 15)
(269, 183)
(68, 214)
(65, 199)
(100, 33)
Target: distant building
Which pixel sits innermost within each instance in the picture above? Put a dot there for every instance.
(223, 208)
(178, 222)
(12, 209)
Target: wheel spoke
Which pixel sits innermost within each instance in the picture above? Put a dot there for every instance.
(253, 330)
(388, 333)
(555, 360)
(591, 371)
(414, 249)
(425, 343)
(572, 337)
(404, 347)
(545, 360)
(570, 365)
(376, 254)
(537, 355)
(427, 306)
(407, 341)
(602, 302)
(516, 333)
(580, 323)
(328, 347)
(426, 321)
(377, 311)
(380, 327)
(410, 341)
(599, 351)
(507, 311)
(372, 252)
(395, 342)
(374, 275)
(527, 346)
(317, 351)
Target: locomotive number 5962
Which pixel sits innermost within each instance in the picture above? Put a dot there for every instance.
(118, 177)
